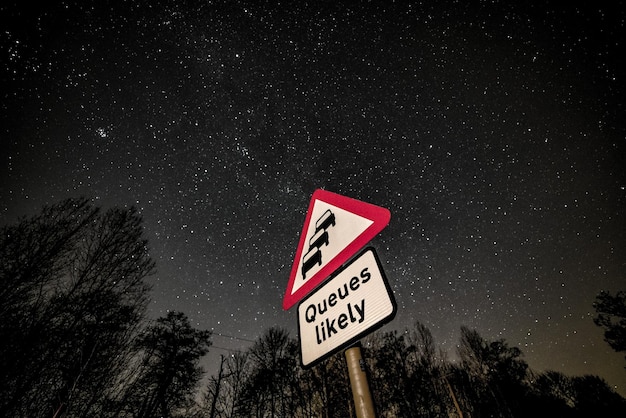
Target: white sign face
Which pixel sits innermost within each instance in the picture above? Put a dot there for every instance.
(344, 309)
(335, 228)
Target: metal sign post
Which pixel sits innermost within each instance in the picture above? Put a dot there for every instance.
(363, 403)
(340, 304)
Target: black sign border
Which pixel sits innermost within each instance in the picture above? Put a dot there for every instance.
(363, 333)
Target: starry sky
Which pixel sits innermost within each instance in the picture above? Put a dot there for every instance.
(493, 131)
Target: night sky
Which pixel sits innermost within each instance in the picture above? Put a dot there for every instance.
(493, 131)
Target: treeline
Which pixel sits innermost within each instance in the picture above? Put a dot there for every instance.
(74, 338)
(75, 342)
(408, 378)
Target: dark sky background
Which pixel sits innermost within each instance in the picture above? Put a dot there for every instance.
(493, 131)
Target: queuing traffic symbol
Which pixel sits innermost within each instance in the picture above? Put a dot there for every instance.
(335, 228)
(345, 308)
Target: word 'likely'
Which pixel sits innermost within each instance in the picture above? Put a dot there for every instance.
(326, 328)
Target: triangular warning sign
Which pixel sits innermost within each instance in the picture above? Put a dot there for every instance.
(335, 228)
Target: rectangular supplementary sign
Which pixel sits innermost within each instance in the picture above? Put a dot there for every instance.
(347, 307)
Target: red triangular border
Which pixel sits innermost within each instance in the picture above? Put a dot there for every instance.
(380, 218)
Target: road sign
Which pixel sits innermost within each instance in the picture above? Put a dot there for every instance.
(335, 228)
(350, 305)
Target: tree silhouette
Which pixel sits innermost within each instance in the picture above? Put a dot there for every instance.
(408, 379)
(392, 375)
(72, 295)
(594, 397)
(495, 374)
(269, 390)
(407, 376)
(553, 393)
(611, 315)
(324, 390)
(172, 350)
(225, 389)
